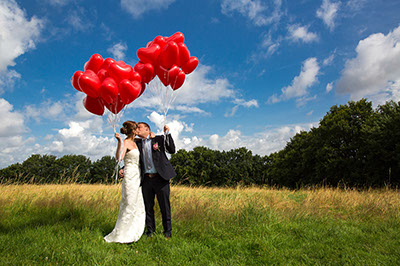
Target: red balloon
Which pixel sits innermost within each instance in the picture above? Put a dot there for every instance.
(74, 80)
(90, 83)
(129, 90)
(102, 74)
(160, 40)
(184, 54)
(173, 73)
(94, 63)
(107, 62)
(190, 65)
(180, 79)
(135, 76)
(116, 106)
(94, 105)
(169, 55)
(149, 54)
(162, 74)
(146, 71)
(109, 90)
(176, 37)
(119, 71)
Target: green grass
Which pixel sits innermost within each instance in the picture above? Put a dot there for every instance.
(65, 224)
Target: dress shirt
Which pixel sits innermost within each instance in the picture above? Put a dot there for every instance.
(149, 167)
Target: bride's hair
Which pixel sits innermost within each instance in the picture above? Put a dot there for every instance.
(128, 128)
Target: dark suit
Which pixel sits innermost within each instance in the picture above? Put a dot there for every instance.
(158, 186)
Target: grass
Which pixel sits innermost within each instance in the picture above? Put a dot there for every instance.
(65, 224)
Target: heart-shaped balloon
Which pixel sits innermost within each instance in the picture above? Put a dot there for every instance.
(129, 90)
(74, 80)
(149, 54)
(135, 76)
(173, 73)
(102, 74)
(180, 79)
(160, 40)
(94, 63)
(109, 90)
(169, 55)
(190, 65)
(146, 71)
(163, 75)
(184, 54)
(94, 105)
(176, 37)
(116, 106)
(107, 62)
(90, 83)
(119, 72)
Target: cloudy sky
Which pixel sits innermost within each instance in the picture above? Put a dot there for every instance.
(268, 69)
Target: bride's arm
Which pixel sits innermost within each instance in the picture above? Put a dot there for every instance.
(120, 147)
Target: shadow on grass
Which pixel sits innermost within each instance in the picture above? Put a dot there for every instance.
(69, 218)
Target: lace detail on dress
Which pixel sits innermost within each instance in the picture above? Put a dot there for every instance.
(131, 217)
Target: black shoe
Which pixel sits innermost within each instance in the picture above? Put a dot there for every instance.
(150, 234)
(167, 235)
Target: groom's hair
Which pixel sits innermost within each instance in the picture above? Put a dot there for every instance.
(144, 123)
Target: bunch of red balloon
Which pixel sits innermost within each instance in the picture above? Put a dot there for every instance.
(168, 58)
(107, 83)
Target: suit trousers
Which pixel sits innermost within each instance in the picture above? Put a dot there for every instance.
(157, 186)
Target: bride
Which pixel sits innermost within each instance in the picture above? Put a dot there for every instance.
(131, 218)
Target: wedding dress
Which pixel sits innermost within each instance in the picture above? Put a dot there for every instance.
(131, 218)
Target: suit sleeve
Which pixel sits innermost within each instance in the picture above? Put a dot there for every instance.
(169, 144)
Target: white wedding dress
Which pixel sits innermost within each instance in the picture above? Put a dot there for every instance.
(131, 218)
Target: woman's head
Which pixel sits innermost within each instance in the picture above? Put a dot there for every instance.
(129, 128)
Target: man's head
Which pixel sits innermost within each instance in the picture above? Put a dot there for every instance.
(143, 130)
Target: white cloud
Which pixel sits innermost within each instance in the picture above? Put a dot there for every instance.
(327, 61)
(48, 110)
(12, 127)
(78, 19)
(197, 89)
(138, 7)
(58, 2)
(329, 87)
(262, 143)
(328, 12)
(356, 5)
(118, 51)
(270, 45)
(18, 34)
(301, 33)
(241, 102)
(300, 83)
(11, 122)
(254, 10)
(375, 71)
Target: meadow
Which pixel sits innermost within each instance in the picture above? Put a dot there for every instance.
(65, 224)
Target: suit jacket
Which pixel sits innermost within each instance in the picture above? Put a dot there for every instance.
(160, 160)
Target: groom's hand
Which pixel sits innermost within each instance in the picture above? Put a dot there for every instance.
(121, 173)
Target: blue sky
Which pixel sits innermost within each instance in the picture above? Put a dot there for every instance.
(268, 69)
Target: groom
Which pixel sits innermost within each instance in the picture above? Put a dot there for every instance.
(156, 171)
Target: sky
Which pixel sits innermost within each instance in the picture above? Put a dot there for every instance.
(268, 69)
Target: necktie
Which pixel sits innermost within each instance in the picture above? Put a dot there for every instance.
(147, 155)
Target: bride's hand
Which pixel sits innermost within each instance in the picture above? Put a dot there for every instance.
(118, 136)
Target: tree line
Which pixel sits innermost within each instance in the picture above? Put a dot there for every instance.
(354, 145)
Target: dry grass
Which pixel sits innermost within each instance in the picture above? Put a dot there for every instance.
(189, 202)
(321, 202)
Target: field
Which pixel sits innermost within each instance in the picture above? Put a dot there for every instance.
(65, 224)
